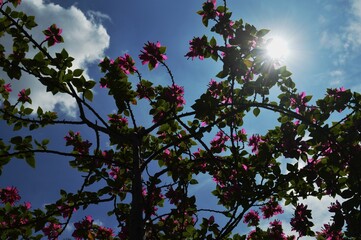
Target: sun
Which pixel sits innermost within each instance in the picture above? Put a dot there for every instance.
(278, 49)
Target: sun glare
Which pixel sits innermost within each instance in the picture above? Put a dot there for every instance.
(277, 49)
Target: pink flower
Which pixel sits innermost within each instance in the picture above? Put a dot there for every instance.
(271, 209)
(336, 92)
(126, 63)
(251, 218)
(145, 90)
(158, 116)
(209, 11)
(218, 143)
(252, 235)
(53, 35)
(17, 2)
(75, 140)
(254, 142)
(340, 95)
(114, 171)
(335, 207)
(329, 233)
(299, 102)
(104, 233)
(300, 222)
(7, 87)
(65, 210)
(83, 228)
(9, 195)
(152, 54)
(224, 26)
(52, 230)
(23, 96)
(276, 231)
(199, 47)
(174, 94)
(27, 205)
(118, 120)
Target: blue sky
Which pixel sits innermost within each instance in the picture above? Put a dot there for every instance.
(324, 40)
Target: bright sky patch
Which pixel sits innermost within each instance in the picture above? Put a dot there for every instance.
(277, 49)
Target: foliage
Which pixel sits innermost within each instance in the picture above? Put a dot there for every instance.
(305, 154)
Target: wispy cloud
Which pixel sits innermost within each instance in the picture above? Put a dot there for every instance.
(85, 37)
(341, 35)
(96, 16)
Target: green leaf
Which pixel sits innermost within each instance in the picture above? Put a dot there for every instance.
(28, 111)
(78, 72)
(284, 72)
(193, 181)
(45, 142)
(162, 49)
(88, 94)
(33, 126)
(262, 32)
(301, 129)
(64, 54)
(89, 84)
(39, 111)
(30, 161)
(39, 57)
(256, 112)
(221, 74)
(7, 207)
(150, 66)
(213, 42)
(17, 126)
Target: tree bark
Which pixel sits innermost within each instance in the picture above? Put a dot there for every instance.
(136, 223)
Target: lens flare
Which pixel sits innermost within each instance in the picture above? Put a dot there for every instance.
(277, 49)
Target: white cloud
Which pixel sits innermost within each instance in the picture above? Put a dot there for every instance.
(85, 40)
(98, 222)
(346, 37)
(98, 16)
(320, 213)
(70, 227)
(336, 77)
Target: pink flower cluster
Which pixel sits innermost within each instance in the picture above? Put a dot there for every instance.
(152, 54)
(65, 210)
(9, 195)
(52, 230)
(209, 10)
(254, 142)
(145, 91)
(199, 47)
(218, 144)
(82, 228)
(127, 64)
(271, 208)
(23, 96)
(252, 218)
(7, 88)
(275, 230)
(86, 229)
(75, 140)
(175, 94)
(300, 221)
(333, 231)
(117, 120)
(16, 2)
(328, 232)
(299, 102)
(53, 35)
